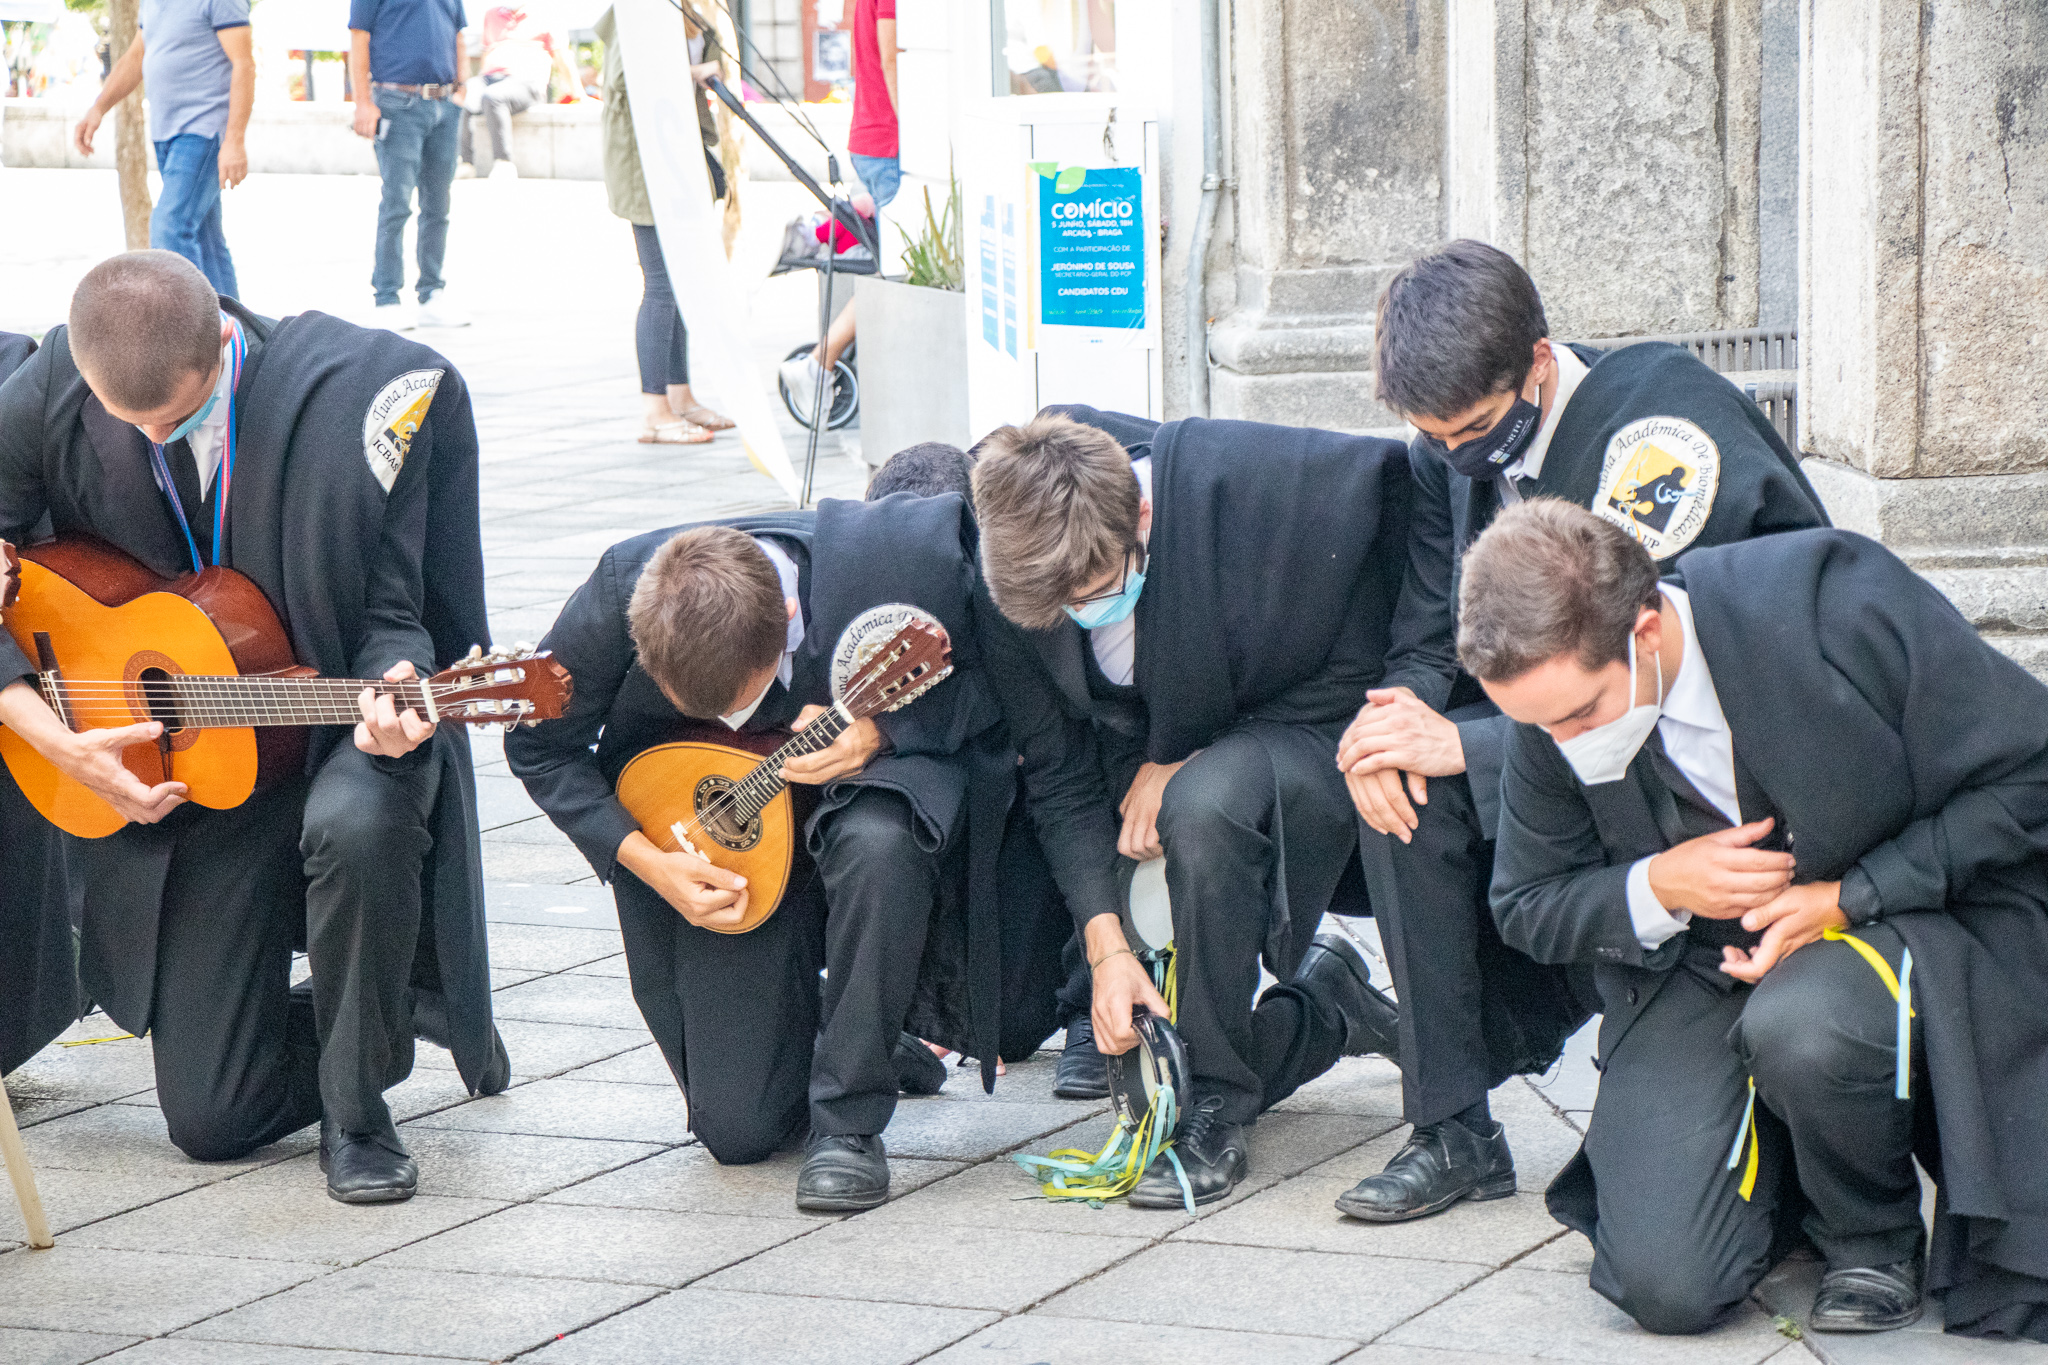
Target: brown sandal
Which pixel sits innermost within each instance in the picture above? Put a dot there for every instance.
(706, 418)
(675, 434)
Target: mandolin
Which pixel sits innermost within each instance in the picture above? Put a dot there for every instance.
(205, 654)
(714, 795)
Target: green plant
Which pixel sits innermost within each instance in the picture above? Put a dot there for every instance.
(933, 259)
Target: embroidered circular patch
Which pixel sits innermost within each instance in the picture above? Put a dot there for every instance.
(1657, 482)
(393, 419)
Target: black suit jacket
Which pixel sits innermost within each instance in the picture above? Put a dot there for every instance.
(1761, 490)
(1908, 760)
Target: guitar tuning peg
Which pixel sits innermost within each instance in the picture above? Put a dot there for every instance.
(475, 652)
(523, 647)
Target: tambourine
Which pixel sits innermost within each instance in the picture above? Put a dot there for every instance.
(1159, 1059)
(1148, 912)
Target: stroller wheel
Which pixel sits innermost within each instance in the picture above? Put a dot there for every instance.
(845, 399)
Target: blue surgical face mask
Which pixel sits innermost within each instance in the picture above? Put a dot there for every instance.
(1107, 611)
(186, 427)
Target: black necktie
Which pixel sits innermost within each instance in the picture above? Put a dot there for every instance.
(191, 498)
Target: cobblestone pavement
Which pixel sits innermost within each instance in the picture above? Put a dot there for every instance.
(572, 1220)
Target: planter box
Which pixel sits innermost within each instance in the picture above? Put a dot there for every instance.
(913, 367)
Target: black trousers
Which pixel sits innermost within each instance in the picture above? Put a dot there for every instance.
(755, 1042)
(238, 1062)
(1675, 1245)
(1255, 807)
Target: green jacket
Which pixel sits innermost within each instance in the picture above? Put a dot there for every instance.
(624, 182)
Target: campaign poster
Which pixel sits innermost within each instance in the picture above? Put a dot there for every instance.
(1091, 246)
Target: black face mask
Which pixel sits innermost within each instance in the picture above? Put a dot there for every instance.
(1482, 457)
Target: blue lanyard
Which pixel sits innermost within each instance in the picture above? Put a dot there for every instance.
(224, 475)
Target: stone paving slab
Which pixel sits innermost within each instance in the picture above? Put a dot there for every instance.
(597, 1001)
(544, 949)
(495, 1166)
(129, 1139)
(89, 1071)
(22, 1346)
(539, 1050)
(581, 1242)
(131, 1293)
(562, 1107)
(421, 1312)
(1036, 1339)
(74, 1198)
(516, 862)
(932, 1128)
(172, 1351)
(1356, 1085)
(1790, 1290)
(641, 1066)
(278, 1221)
(1253, 1289)
(1513, 1309)
(1000, 1268)
(604, 966)
(689, 1180)
(710, 1327)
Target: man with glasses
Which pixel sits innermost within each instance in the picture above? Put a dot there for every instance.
(1202, 606)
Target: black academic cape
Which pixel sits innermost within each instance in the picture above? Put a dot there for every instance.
(1758, 490)
(947, 755)
(1907, 759)
(1272, 567)
(361, 578)
(38, 972)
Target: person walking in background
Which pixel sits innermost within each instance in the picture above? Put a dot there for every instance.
(871, 142)
(521, 55)
(193, 56)
(672, 413)
(406, 66)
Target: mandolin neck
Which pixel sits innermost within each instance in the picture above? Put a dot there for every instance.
(186, 701)
(754, 791)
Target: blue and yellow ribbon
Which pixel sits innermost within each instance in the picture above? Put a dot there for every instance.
(1901, 987)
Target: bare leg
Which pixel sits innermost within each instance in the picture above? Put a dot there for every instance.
(684, 404)
(837, 338)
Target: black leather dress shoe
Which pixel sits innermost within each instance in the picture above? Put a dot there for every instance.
(1870, 1298)
(1332, 970)
(1083, 1072)
(1442, 1163)
(1212, 1155)
(843, 1173)
(919, 1070)
(366, 1168)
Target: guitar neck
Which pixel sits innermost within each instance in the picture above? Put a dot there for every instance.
(198, 702)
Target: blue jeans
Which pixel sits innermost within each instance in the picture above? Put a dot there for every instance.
(415, 150)
(187, 217)
(882, 175)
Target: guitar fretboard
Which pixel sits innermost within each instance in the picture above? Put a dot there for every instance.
(201, 702)
(753, 792)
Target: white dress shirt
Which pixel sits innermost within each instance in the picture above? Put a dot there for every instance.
(209, 438)
(1700, 745)
(1116, 644)
(785, 569)
(1570, 370)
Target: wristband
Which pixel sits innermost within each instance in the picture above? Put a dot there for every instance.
(1107, 956)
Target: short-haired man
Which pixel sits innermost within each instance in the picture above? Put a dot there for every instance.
(409, 72)
(194, 59)
(925, 470)
(1651, 440)
(336, 468)
(1793, 813)
(738, 623)
(1204, 610)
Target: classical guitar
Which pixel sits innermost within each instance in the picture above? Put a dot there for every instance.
(205, 654)
(716, 796)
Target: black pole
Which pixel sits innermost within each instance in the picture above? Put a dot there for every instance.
(862, 229)
(821, 409)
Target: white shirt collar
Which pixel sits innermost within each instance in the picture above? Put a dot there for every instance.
(209, 438)
(785, 570)
(1692, 699)
(1116, 645)
(1570, 370)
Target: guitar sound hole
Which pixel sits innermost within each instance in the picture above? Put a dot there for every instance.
(714, 795)
(156, 697)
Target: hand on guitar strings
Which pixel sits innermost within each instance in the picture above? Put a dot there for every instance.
(1396, 735)
(855, 748)
(1139, 840)
(703, 893)
(385, 730)
(92, 758)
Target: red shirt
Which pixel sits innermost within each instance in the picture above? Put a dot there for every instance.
(874, 119)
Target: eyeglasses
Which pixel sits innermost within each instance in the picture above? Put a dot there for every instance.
(1122, 582)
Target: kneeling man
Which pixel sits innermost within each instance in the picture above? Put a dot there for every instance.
(1201, 612)
(1794, 813)
(739, 623)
